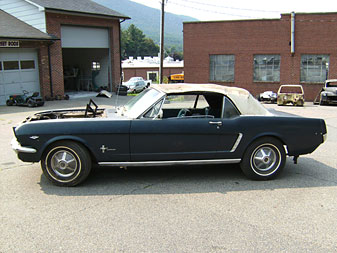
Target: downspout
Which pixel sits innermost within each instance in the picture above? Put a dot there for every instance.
(292, 50)
(50, 73)
(110, 65)
(120, 52)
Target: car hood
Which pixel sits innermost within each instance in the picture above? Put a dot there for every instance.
(76, 115)
(330, 89)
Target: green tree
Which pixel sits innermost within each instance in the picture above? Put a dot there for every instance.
(174, 53)
(135, 43)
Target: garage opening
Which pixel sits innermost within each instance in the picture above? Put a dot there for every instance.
(86, 58)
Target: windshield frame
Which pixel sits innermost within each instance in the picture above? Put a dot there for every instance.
(141, 103)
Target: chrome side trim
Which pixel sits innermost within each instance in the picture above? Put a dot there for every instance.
(167, 163)
(19, 149)
(237, 142)
(285, 149)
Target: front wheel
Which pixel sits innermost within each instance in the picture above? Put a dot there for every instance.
(30, 103)
(66, 163)
(264, 159)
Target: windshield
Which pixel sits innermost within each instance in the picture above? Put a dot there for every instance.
(133, 79)
(291, 89)
(331, 84)
(139, 104)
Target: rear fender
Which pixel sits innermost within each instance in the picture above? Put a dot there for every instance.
(270, 135)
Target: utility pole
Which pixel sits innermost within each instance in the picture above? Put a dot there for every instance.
(161, 41)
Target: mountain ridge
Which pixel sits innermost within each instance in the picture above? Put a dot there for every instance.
(148, 20)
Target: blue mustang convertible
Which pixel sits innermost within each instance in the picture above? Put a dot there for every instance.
(171, 124)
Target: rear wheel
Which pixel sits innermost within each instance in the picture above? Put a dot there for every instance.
(9, 102)
(66, 163)
(264, 159)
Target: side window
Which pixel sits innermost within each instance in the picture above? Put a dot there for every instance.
(185, 101)
(230, 110)
(185, 106)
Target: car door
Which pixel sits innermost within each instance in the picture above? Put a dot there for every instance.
(174, 139)
(180, 138)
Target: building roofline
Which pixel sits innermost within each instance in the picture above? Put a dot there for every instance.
(28, 38)
(234, 20)
(310, 13)
(41, 8)
(262, 19)
(87, 14)
(56, 9)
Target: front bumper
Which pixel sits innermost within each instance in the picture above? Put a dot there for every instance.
(16, 146)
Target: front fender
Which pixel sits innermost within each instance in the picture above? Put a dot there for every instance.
(62, 138)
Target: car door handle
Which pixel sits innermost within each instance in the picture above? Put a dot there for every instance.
(218, 123)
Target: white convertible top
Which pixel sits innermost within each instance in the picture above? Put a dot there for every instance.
(243, 100)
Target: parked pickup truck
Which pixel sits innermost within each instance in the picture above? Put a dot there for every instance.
(137, 84)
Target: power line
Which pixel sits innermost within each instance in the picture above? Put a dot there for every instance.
(224, 7)
(212, 11)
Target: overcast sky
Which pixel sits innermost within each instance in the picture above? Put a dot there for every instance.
(240, 9)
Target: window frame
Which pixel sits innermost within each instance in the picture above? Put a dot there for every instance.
(264, 67)
(324, 72)
(213, 68)
(17, 69)
(27, 69)
(152, 72)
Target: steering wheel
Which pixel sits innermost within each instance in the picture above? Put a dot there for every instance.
(184, 112)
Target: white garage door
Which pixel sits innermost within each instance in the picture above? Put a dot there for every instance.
(84, 37)
(18, 71)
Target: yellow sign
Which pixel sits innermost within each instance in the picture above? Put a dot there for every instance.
(9, 43)
(178, 77)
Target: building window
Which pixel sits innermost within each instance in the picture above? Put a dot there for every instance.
(222, 68)
(314, 68)
(27, 64)
(95, 65)
(0, 65)
(11, 65)
(267, 68)
(152, 75)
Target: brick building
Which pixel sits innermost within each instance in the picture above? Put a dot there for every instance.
(58, 46)
(261, 55)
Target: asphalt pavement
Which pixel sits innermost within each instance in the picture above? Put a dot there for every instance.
(170, 209)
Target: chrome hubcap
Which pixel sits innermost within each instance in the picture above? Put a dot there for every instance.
(64, 163)
(264, 158)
